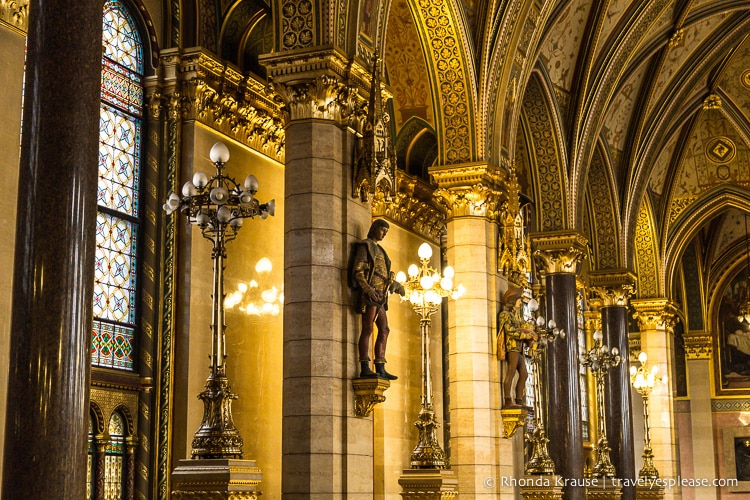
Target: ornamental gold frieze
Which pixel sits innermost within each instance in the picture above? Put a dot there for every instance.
(698, 346)
(197, 86)
(412, 206)
(655, 314)
(15, 13)
(614, 287)
(559, 252)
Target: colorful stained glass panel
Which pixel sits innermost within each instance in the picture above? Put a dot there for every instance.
(121, 87)
(122, 43)
(119, 150)
(114, 265)
(112, 346)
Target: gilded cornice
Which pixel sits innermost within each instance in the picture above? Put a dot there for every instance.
(634, 346)
(559, 251)
(613, 287)
(322, 84)
(197, 86)
(473, 189)
(655, 314)
(15, 14)
(698, 345)
(412, 206)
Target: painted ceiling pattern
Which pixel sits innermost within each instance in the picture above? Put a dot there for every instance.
(663, 87)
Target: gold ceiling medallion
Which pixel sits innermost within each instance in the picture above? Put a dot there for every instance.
(713, 101)
(721, 150)
(745, 78)
(375, 158)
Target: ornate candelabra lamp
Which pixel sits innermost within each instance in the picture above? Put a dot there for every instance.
(540, 462)
(643, 381)
(425, 289)
(599, 360)
(218, 206)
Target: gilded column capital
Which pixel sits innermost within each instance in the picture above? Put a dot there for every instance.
(412, 206)
(470, 189)
(15, 14)
(698, 345)
(320, 83)
(614, 287)
(559, 252)
(655, 314)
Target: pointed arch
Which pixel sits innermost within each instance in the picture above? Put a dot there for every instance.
(547, 163)
(647, 266)
(601, 197)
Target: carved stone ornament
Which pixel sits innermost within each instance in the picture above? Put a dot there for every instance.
(226, 479)
(608, 490)
(538, 487)
(513, 419)
(559, 251)
(412, 206)
(614, 287)
(473, 189)
(655, 314)
(367, 393)
(375, 158)
(649, 493)
(697, 346)
(432, 484)
(200, 87)
(322, 84)
(15, 14)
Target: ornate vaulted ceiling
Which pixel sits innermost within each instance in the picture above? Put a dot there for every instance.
(614, 114)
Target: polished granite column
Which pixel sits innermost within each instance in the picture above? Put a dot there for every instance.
(614, 287)
(47, 405)
(558, 254)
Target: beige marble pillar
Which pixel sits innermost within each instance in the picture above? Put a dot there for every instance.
(656, 318)
(478, 453)
(327, 451)
(701, 448)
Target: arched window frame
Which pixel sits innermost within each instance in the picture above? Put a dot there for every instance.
(114, 332)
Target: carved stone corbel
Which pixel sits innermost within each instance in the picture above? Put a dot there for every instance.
(367, 393)
(513, 418)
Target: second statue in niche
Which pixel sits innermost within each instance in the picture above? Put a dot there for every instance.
(513, 332)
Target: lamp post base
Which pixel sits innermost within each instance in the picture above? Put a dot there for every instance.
(217, 436)
(428, 454)
(537, 487)
(604, 489)
(216, 478)
(433, 484)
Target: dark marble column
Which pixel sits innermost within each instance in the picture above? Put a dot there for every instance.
(48, 387)
(558, 254)
(614, 288)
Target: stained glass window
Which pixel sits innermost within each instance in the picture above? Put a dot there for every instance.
(113, 458)
(120, 124)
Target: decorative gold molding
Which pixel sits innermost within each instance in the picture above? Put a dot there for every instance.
(593, 317)
(614, 287)
(634, 346)
(655, 314)
(513, 419)
(428, 484)
(197, 86)
(367, 393)
(698, 346)
(471, 189)
(15, 13)
(412, 206)
(559, 251)
(540, 487)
